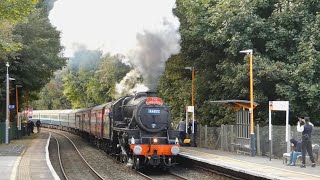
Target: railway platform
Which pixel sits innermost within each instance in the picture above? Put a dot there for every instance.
(257, 166)
(26, 159)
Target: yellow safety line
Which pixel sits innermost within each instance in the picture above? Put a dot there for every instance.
(15, 167)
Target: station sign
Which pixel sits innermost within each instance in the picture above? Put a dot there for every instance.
(191, 109)
(11, 107)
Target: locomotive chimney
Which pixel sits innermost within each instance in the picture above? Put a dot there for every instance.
(152, 93)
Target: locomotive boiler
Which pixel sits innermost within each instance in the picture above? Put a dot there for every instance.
(142, 132)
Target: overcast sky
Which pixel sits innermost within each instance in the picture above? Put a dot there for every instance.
(109, 25)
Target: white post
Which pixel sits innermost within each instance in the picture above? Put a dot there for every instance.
(288, 130)
(187, 119)
(270, 130)
(193, 123)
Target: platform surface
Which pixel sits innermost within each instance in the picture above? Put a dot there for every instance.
(26, 159)
(258, 166)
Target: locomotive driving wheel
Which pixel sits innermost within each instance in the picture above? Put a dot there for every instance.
(123, 158)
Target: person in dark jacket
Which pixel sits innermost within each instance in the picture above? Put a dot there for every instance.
(194, 138)
(38, 124)
(296, 151)
(182, 129)
(29, 127)
(32, 126)
(306, 130)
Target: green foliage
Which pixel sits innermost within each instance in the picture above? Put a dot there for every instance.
(91, 78)
(34, 53)
(51, 96)
(110, 71)
(40, 55)
(284, 36)
(12, 12)
(175, 87)
(16, 10)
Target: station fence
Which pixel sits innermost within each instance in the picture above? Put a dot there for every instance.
(13, 132)
(226, 138)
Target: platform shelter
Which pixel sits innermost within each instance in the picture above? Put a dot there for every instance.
(241, 142)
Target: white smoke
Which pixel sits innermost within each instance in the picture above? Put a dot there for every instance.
(129, 84)
(145, 31)
(153, 50)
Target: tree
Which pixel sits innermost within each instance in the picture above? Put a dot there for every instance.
(175, 87)
(284, 37)
(38, 55)
(12, 12)
(111, 70)
(51, 96)
(88, 85)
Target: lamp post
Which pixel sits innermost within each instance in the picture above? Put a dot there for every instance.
(252, 135)
(17, 109)
(7, 104)
(192, 103)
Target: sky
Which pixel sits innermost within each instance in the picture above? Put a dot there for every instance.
(108, 25)
(145, 31)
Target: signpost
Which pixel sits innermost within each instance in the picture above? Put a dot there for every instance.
(190, 109)
(279, 106)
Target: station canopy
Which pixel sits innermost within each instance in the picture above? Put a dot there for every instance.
(236, 104)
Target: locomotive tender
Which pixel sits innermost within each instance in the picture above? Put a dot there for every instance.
(135, 129)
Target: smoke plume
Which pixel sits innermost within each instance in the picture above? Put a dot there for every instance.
(130, 84)
(153, 50)
(145, 31)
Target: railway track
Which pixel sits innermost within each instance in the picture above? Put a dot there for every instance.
(195, 172)
(159, 174)
(72, 163)
(218, 173)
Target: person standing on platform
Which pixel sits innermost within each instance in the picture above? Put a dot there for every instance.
(296, 151)
(32, 126)
(306, 130)
(194, 142)
(24, 127)
(182, 129)
(38, 124)
(29, 127)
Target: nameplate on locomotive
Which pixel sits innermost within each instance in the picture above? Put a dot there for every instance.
(154, 111)
(154, 101)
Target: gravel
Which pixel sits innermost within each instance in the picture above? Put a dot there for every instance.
(105, 165)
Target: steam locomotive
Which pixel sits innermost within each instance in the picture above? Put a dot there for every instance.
(134, 129)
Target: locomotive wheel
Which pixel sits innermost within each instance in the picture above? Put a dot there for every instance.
(123, 158)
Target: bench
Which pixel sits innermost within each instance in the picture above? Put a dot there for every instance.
(315, 151)
(241, 148)
(286, 157)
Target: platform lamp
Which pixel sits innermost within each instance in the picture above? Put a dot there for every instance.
(252, 135)
(192, 101)
(7, 104)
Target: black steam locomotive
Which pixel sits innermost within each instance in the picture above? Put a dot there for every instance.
(135, 129)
